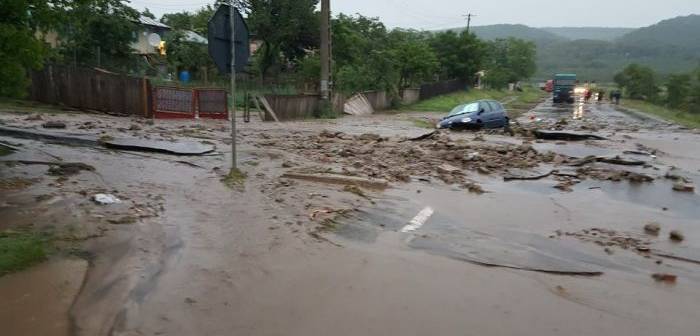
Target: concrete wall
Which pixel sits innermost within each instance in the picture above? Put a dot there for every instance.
(379, 100)
(410, 96)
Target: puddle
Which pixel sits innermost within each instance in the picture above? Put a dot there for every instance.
(37, 301)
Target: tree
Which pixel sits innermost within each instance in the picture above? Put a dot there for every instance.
(20, 49)
(287, 28)
(460, 55)
(509, 61)
(186, 55)
(638, 81)
(105, 24)
(197, 22)
(362, 61)
(147, 13)
(679, 89)
(413, 58)
(694, 104)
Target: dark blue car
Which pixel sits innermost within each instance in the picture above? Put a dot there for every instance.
(477, 115)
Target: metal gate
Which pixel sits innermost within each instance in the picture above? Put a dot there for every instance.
(177, 103)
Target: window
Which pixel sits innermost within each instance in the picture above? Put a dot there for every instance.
(464, 109)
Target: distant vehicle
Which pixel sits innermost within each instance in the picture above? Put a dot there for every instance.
(476, 115)
(564, 85)
(549, 86)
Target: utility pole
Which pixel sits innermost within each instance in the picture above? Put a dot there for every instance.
(469, 20)
(232, 13)
(325, 49)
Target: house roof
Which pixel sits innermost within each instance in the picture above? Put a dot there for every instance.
(193, 37)
(150, 22)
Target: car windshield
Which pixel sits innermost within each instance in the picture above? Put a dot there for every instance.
(463, 109)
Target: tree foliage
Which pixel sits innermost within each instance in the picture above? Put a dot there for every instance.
(186, 55)
(287, 28)
(509, 61)
(678, 90)
(638, 81)
(20, 50)
(460, 55)
(107, 24)
(197, 21)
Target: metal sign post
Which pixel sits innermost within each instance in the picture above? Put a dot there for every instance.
(232, 16)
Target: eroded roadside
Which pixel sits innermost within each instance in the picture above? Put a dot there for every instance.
(185, 254)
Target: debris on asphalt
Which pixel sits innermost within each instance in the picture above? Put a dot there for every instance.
(653, 228)
(676, 236)
(665, 278)
(607, 238)
(54, 125)
(565, 136)
(126, 220)
(105, 199)
(528, 178)
(684, 187)
(339, 179)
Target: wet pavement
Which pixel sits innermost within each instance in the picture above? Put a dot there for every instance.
(449, 248)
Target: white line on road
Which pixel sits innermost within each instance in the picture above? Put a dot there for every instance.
(419, 220)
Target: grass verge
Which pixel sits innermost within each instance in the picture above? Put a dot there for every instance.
(680, 117)
(445, 103)
(21, 250)
(235, 178)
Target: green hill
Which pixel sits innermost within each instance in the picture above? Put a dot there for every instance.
(671, 46)
(682, 32)
(589, 33)
(518, 31)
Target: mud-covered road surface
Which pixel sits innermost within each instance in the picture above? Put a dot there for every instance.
(476, 234)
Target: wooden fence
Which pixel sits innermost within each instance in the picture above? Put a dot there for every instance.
(428, 91)
(89, 89)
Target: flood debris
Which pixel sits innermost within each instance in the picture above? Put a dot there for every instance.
(339, 179)
(608, 239)
(676, 236)
(684, 187)
(665, 278)
(54, 125)
(653, 228)
(58, 168)
(565, 136)
(106, 199)
(511, 177)
(617, 160)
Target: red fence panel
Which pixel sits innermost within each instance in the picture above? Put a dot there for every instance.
(212, 103)
(174, 103)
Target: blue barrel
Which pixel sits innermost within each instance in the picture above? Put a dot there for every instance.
(185, 76)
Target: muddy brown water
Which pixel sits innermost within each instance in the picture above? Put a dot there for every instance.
(217, 261)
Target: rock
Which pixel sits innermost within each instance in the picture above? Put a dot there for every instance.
(448, 169)
(288, 164)
(665, 278)
(135, 127)
(54, 125)
(34, 117)
(126, 220)
(676, 236)
(106, 199)
(484, 171)
(370, 137)
(652, 228)
(684, 187)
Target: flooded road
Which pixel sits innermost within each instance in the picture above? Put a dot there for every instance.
(450, 248)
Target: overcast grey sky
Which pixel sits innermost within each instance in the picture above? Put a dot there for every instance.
(438, 14)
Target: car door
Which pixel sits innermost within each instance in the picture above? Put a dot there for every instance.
(499, 114)
(485, 114)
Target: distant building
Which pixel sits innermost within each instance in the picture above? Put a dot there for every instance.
(148, 26)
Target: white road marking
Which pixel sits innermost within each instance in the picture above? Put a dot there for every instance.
(418, 221)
